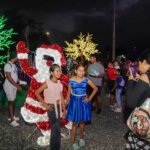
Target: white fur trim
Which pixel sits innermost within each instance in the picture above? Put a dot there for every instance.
(22, 56)
(34, 103)
(46, 133)
(31, 117)
(43, 141)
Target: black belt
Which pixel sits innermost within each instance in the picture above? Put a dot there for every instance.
(93, 76)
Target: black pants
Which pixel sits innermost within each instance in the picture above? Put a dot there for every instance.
(55, 140)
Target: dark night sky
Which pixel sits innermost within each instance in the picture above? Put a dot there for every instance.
(70, 17)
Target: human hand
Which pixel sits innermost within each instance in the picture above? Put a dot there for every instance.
(19, 89)
(130, 74)
(47, 106)
(86, 99)
(21, 47)
(22, 82)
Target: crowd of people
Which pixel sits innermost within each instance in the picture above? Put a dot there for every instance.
(127, 86)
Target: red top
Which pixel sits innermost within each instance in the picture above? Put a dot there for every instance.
(111, 73)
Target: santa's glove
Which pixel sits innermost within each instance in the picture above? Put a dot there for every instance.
(21, 47)
(22, 50)
(22, 82)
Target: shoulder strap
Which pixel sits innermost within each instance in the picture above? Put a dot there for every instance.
(10, 64)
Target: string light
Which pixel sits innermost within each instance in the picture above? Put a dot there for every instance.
(81, 47)
(5, 40)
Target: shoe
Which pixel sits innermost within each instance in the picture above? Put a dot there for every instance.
(75, 146)
(98, 111)
(117, 109)
(112, 107)
(15, 118)
(14, 123)
(69, 125)
(81, 143)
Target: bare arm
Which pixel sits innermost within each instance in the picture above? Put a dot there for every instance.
(11, 80)
(63, 102)
(63, 106)
(38, 92)
(93, 86)
(68, 93)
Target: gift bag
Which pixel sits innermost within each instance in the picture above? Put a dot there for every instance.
(139, 121)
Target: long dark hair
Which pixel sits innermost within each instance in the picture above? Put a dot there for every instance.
(53, 67)
(145, 56)
(77, 66)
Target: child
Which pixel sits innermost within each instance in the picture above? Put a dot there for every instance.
(120, 83)
(53, 99)
(79, 108)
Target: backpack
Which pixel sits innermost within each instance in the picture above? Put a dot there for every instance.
(2, 79)
(139, 121)
(2, 76)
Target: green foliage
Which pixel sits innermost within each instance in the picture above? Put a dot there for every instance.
(5, 40)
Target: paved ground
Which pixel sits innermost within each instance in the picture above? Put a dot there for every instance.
(105, 133)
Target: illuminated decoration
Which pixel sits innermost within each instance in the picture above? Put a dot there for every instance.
(82, 47)
(33, 111)
(5, 40)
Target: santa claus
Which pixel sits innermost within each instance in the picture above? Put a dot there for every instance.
(33, 111)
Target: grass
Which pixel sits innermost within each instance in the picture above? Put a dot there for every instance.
(20, 98)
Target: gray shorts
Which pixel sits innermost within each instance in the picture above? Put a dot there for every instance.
(10, 91)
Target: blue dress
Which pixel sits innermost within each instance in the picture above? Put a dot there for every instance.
(78, 110)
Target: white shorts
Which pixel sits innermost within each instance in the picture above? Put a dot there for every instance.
(10, 91)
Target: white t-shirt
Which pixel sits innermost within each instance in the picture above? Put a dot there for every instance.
(10, 67)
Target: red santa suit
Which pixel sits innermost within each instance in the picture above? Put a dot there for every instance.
(33, 111)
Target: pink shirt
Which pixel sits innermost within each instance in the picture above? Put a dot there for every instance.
(53, 94)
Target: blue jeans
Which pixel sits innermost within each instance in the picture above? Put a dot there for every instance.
(3, 96)
(55, 139)
(118, 97)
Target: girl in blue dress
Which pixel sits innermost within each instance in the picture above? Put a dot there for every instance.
(79, 107)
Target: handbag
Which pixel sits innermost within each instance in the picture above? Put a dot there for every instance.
(139, 121)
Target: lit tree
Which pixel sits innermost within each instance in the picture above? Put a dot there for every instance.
(5, 40)
(83, 47)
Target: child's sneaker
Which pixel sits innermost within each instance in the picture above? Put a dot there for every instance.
(81, 143)
(16, 118)
(112, 107)
(75, 146)
(14, 123)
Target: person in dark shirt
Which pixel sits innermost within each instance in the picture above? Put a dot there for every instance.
(138, 89)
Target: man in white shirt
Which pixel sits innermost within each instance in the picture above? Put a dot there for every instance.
(11, 87)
